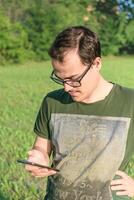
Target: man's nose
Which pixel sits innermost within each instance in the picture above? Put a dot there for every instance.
(67, 87)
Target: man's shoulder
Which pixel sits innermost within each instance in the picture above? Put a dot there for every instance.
(125, 95)
(126, 91)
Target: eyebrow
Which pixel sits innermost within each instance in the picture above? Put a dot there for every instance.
(69, 77)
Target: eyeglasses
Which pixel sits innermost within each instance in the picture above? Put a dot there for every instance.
(72, 82)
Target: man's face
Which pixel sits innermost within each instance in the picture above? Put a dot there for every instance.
(71, 69)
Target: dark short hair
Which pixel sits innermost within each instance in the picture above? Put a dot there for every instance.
(76, 37)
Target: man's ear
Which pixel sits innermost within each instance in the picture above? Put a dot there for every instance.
(97, 64)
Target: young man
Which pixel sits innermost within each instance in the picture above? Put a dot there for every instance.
(88, 126)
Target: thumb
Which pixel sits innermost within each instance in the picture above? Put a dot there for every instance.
(30, 153)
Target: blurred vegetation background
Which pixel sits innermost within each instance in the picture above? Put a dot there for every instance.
(27, 28)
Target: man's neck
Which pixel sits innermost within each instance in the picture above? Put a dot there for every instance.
(102, 90)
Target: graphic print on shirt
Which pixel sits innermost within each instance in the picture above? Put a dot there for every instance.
(88, 152)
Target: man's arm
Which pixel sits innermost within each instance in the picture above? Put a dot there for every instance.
(40, 154)
(124, 185)
(43, 145)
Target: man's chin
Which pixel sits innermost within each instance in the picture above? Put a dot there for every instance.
(76, 98)
(79, 99)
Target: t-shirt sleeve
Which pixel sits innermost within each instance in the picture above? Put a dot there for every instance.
(41, 122)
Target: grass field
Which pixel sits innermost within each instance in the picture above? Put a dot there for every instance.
(21, 91)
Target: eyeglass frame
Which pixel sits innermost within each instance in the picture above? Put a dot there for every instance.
(62, 82)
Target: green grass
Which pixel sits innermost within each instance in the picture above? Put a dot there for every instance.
(21, 91)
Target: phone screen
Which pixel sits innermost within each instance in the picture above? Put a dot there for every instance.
(36, 164)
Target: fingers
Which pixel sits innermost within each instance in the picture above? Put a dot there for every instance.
(31, 168)
(122, 193)
(118, 187)
(117, 182)
(122, 174)
(120, 181)
(30, 153)
(39, 172)
(43, 174)
(124, 185)
(38, 157)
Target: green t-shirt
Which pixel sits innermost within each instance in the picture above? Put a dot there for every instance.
(90, 142)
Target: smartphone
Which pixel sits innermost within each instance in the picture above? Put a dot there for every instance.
(36, 164)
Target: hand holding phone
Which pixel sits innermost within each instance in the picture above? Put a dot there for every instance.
(36, 164)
